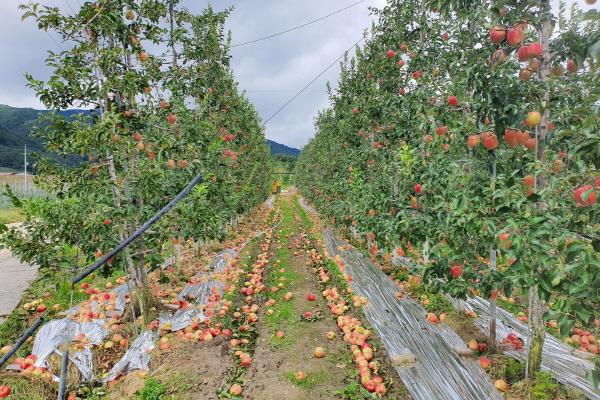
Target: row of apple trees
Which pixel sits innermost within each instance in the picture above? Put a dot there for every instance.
(472, 129)
(164, 106)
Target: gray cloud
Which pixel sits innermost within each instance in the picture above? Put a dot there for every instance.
(271, 71)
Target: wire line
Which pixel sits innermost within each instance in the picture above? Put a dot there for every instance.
(311, 82)
(299, 26)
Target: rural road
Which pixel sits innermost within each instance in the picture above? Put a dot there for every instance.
(14, 279)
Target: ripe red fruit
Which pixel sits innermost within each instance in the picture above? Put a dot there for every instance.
(497, 34)
(473, 141)
(511, 136)
(452, 101)
(485, 363)
(585, 195)
(572, 66)
(418, 188)
(41, 308)
(444, 36)
(106, 221)
(490, 141)
(4, 391)
(515, 36)
(171, 119)
(403, 47)
(370, 385)
(143, 56)
(441, 130)
(164, 104)
(416, 75)
(535, 50)
(531, 144)
(137, 137)
(428, 138)
(597, 182)
(310, 297)
(391, 54)
(355, 111)
(456, 271)
(529, 181)
(523, 53)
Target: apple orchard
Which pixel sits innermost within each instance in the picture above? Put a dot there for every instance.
(459, 154)
(469, 131)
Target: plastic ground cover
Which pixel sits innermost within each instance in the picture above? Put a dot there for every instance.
(61, 331)
(439, 373)
(557, 357)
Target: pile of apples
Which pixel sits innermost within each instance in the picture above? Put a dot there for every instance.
(584, 341)
(28, 368)
(336, 303)
(512, 339)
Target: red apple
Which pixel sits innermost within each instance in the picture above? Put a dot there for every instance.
(515, 36)
(497, 34)
(452, 101)
(4, 391)
(456, 271)
(391, 54)
(418, 188)
(171, 119)
(310, 297)
(535, 50)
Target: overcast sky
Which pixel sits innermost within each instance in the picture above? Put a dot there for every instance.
(271, 71)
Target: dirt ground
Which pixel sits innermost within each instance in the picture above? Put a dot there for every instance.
(277, 360)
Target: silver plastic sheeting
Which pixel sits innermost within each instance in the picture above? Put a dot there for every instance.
(181, 319)
(307, 206)
(121, 291)
(557, 357)
(136, 358)
(270, 201)
(200, 292)
(83, 360)
(58, 332)
(439, 373)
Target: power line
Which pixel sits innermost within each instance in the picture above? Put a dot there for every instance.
(311, 82)
(299, 26)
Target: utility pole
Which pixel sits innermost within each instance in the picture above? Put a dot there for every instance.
(25, 164)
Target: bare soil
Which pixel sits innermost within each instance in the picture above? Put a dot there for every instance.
(270, 376)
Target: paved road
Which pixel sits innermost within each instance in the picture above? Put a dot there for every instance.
(14, 279)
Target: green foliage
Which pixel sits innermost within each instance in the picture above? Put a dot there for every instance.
(381, 136)
(152, 390)
(136, 160)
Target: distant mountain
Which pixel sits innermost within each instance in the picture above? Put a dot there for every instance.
(278, 148)
(16, 123)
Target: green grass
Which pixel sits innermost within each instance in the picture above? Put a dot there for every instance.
(28, 388)
(285, 314)
(312, 379)
(11, 215)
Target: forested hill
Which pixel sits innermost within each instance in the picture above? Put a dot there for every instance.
(16, 123)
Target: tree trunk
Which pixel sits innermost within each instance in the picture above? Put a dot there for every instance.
(537, 333)
(537, 307)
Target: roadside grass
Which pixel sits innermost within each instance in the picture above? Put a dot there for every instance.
(11, 215)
